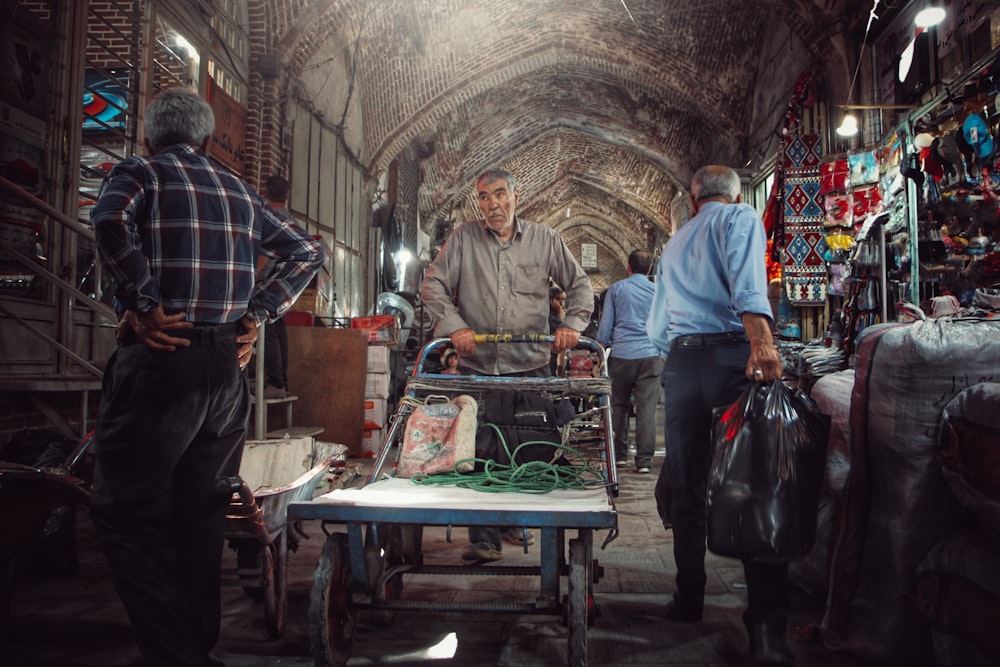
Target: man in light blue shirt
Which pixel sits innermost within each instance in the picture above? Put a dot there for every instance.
(711, 313)
(634, 364)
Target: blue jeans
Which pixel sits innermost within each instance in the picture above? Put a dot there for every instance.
(696, 380)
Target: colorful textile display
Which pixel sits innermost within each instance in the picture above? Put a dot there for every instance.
(805, 215)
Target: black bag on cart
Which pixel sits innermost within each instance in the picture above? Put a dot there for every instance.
(520, 417)
(766, 475)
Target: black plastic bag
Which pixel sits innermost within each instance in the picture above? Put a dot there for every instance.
(521, 417)
(766, 476)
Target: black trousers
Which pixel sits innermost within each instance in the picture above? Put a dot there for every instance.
(696, 380)
(276, 353)
(491, 534)
(170, 425)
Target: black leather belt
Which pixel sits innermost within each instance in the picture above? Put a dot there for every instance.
(706, 340)
(207, 334)
(199, 334)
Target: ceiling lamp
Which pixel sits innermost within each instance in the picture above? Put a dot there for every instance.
(929, 17)
(848, 126)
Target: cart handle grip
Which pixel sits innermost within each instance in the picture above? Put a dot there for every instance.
(583, 343)
(513, 338)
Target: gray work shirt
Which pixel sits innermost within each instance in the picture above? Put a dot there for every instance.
(478, 283)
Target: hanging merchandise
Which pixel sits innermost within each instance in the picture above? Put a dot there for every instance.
(863, 167)
(804, 269)
(803, 97)
(835, 176)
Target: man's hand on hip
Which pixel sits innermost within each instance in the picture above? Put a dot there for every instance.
(246, 340)
(151, 329)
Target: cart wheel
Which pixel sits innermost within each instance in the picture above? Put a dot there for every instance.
(392, 588)
(276, 592)
(250, 556)
(331, 620)
(579, 602)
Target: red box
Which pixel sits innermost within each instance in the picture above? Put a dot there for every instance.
(380, 329)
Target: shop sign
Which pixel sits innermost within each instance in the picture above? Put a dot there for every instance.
(226, 145)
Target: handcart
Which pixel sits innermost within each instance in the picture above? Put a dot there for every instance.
(273, 474)
(379, 540)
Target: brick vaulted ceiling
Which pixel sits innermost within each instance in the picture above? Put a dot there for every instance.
(602, 108)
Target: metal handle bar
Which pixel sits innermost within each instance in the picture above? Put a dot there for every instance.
(502, 339)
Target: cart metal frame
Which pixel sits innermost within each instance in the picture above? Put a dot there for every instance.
(362, 566)
(257, 528)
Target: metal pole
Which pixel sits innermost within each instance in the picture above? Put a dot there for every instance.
(260, 408)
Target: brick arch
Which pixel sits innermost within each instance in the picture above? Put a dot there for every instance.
(540, 73)
(558, 171)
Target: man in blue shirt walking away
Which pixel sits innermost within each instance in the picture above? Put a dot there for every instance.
(634, 363)
(712, 314)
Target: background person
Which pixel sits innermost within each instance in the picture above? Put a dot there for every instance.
(711, 313)
(175, 402)
(276, 333)
(492, 277)
(634, 363)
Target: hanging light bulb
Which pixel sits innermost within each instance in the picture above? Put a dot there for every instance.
(848, 126)
(929, 17)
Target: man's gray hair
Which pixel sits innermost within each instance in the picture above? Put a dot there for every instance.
(178, 116)
(495, 174)
(715, 181)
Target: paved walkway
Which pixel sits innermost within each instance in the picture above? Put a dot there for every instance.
(78, 621)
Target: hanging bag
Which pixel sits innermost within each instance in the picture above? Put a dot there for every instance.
(766, 475)
(440, 437)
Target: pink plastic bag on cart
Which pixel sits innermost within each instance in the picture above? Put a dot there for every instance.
(440, 437)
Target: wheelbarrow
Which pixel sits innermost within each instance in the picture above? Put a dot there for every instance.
(28, 497)
(273, 474)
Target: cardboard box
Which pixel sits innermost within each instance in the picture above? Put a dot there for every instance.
(380, 329)
(374, 413)
(313, 301)
(371, 440)
(306, 303)
(377, 385)
(378, 359)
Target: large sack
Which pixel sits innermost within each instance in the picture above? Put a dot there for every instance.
(898, 505)
(958, 589)
(832, 395)
(970, 441)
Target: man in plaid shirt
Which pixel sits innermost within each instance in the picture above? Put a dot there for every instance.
(180, 236)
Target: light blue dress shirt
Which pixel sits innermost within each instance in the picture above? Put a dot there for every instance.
(623, 319)
(710, 272)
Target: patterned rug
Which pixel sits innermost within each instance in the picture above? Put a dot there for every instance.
(804, 271)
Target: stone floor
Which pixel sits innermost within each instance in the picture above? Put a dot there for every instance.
(79, 622)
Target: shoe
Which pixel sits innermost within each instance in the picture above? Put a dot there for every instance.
(682, 613)
(275, 392)
(481, 551)
(516, 536)
(643, 470)
(620, 463)
(769, 648)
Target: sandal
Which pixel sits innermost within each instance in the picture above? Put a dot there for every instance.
(516, 536)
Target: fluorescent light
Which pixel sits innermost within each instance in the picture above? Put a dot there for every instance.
(930, 17)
